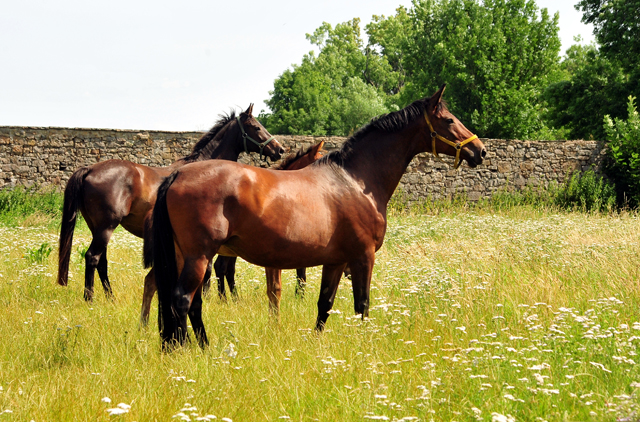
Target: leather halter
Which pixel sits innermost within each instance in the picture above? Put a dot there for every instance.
(457, 145)
(246, 136)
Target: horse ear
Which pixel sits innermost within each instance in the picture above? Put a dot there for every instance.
(438, 95)
(316, 149)
(249, 110)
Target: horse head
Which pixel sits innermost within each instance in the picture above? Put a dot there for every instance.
(257, 138)
(448, 135)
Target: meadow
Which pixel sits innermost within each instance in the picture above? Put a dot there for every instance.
(477, 314)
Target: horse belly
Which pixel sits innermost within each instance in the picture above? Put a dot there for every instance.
(294, 241)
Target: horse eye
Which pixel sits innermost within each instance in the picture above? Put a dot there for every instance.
(449, 121)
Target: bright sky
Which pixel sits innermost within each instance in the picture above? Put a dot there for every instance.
(165, 65)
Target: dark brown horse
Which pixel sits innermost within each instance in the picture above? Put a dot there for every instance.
(115, 192)
(331, 213)
(295, 161)
(225, 266)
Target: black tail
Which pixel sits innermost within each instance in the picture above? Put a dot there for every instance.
(72, 199)
(164, 261)
(147, 244)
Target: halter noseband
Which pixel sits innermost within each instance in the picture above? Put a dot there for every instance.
(246, 136)
(458, 146)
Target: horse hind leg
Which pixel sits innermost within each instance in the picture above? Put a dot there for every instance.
(274, 289)
(92, 260)
(102, 273)
(189, 288)
(195, 316)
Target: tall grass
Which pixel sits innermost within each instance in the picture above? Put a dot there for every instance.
(524, 314)
(35, 205)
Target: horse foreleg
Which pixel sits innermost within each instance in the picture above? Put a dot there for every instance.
(230, 272)
(102, 273)
(301, 282)
(329, 286)
(274, 289)
(147, 296)
(361, 271)
(220, 268)
(195, 316)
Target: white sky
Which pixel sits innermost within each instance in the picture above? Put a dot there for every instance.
(165, 65)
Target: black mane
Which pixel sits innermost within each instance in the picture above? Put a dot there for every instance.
(206, 139)
(388, 123)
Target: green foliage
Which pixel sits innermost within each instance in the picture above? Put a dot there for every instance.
(597, 81)
(82, 251)
(586, 192)
(494, 55)
(334, 93)
(617, 28)
(39, 255)
(532, 197)
(624, 153)
(20, 202)
(590, 87)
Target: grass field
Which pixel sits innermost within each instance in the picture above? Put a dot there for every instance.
(521, 314)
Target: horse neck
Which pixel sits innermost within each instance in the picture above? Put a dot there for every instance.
(380, 159)
(224, 146)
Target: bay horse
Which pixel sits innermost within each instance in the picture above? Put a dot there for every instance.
(331, 213)
(119, 192)
(225, 265)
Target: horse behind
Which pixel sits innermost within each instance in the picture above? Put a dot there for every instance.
(117, 192)
(331, 213)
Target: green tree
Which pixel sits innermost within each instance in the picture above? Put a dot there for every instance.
(598, 79)
(616, 27)
(590, 87)
(388, 37)
(494, 55)
(334, 92)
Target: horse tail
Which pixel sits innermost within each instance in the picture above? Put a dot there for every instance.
(164, 260)
(73, 194)
(147, 244)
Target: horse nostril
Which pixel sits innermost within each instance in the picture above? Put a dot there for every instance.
(483, 153)
(281, 151)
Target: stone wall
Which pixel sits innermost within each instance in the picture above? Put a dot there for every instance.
(47, 156)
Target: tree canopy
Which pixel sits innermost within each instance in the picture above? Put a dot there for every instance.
(494, 54)
(500, 59)
(617, 28)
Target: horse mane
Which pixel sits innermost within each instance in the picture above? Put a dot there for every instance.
(204, 143)
(388, 123)
(291, 158)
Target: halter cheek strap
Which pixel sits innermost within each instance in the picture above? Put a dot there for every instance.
(457, 145)
(246, 136)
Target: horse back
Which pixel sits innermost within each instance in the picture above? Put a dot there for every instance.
(121, 191)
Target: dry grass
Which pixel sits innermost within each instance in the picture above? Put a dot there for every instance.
(522, 315)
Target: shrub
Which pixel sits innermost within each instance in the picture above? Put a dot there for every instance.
(20, 202)
(587, 192)
(623, 164)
